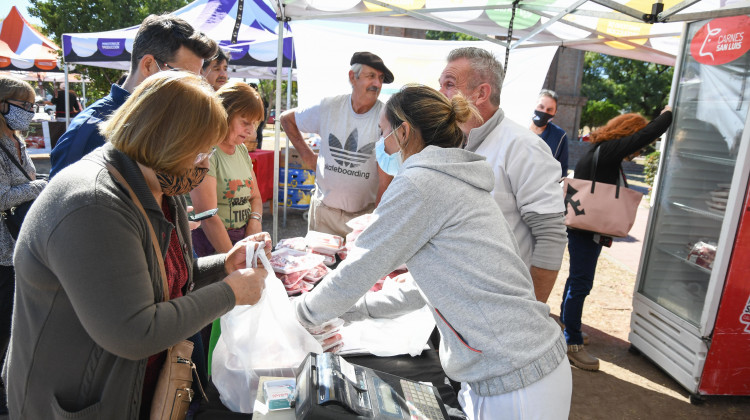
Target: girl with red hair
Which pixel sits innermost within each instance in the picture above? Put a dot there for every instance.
(621, 137)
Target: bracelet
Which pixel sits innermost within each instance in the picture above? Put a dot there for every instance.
(257, 216)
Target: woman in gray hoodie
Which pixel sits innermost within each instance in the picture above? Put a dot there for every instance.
(439, 218)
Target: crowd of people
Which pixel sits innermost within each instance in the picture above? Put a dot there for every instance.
(444, 171)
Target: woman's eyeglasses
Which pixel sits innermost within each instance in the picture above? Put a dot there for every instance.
(203, 156)
(27, 106)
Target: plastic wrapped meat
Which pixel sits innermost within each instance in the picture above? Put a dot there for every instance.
(702, 254)
(286, 260)
(324, 330)
(327, 259)
(297, 243)
(324, 243)
(290, 280)
(316, 274)
(379, 284)
(298, 288)
(361, 223)
(333, 343)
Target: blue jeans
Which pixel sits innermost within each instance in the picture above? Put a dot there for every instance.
(584, 253)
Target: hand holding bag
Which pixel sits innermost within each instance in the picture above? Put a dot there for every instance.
(599, 207)
(264, 339)
(173, 392)
(15, 216)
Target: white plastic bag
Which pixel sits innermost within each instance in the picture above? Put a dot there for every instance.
(264, 339)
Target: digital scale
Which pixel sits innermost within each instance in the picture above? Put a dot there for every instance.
(330, 387)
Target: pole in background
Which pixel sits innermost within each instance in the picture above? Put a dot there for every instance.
(277, 129)
(67, 99)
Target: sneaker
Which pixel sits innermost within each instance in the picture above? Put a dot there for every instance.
(581, 359)
(583, 334)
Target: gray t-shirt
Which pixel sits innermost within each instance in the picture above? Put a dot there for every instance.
(347, 171)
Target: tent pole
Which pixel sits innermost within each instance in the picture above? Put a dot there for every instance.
(67, 99)
(83, 87)
(286, 155)
(277, 130)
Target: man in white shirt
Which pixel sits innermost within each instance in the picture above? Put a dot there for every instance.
(348, 181)
(526, 175)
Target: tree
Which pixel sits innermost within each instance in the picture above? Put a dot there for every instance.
(614, 85)
(267, 90)
(73, 16)
(449, 36)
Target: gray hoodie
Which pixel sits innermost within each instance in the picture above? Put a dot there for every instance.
(439, 218)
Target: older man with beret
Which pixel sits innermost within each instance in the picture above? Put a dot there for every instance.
(348, 180)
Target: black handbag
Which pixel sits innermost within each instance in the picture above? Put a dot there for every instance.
(14, 216)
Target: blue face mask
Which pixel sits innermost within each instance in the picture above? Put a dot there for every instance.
(390, 164)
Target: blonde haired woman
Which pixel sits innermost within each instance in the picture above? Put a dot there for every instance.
(18, 184)
(438, 217)
(91, 326)
(230, 183)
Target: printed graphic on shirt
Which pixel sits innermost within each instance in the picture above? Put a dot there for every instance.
(348, 156)
(237, 194)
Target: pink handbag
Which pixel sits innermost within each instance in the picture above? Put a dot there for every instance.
(599, 207)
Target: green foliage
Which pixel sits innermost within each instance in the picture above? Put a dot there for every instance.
(650, 167)
(76, 16)
(449, 36)
(597, 113)
(615, 84)
(267, 90)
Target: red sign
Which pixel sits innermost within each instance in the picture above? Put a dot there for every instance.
(721, 40)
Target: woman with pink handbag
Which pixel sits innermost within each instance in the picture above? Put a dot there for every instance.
(621, 137)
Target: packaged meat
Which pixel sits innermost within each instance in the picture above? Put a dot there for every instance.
(327, 259)
(324, 243)
(702, 254)
(331, 342)
(298, 243)
(290, 280)
(361, 223)
(300, 287)
(323, 329)
(342, 254)
(286, 260)
(317, 273)
(379, 284)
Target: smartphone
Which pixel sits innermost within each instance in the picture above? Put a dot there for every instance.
(203, 216)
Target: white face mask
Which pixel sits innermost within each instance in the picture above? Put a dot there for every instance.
(390, 164)
(17, 118)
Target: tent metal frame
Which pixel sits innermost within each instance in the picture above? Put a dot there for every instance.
(619, 12)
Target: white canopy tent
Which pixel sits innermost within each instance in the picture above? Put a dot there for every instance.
(246, 30)
(639, 29)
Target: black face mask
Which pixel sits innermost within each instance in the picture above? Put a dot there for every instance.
(541, 119)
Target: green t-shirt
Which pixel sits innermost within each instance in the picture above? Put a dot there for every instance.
(234, 175)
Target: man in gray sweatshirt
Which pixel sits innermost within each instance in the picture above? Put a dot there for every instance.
(526, 174)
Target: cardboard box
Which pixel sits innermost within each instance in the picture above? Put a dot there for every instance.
(279, 393)
(295, 160)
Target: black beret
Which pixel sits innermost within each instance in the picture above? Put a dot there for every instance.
(372, 60)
